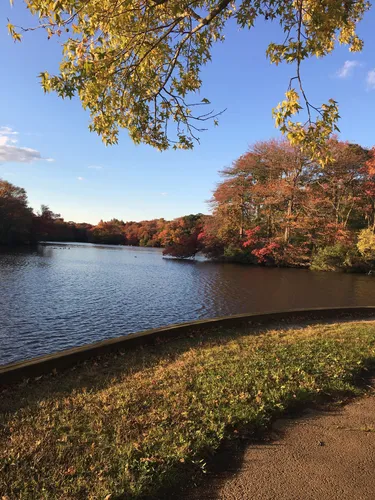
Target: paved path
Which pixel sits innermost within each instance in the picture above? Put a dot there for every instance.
(320, 456)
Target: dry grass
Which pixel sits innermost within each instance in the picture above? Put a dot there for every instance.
(127, 425)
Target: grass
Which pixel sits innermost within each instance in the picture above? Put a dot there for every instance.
(127, 425)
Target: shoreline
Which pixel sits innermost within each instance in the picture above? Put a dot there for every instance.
(201, 258)
(62, 360)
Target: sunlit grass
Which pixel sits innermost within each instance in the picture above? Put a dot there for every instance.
(131, 423)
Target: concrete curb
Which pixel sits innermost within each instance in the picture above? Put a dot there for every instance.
(65, 359)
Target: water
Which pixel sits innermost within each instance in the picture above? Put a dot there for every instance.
(61, 296)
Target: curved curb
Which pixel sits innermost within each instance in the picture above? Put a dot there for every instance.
(67, 358)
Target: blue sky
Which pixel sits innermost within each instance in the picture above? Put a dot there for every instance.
(136, 182)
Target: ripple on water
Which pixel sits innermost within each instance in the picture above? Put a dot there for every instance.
(52, 299)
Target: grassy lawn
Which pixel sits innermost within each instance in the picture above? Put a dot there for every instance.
(128, 424)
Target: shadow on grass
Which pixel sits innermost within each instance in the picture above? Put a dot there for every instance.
(229, 458)
(101, 372)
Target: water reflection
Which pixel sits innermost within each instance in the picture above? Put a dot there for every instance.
(59, 296)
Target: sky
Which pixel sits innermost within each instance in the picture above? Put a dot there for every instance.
(46, 147)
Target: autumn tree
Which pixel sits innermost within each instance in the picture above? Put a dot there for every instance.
(111, 232)
(368, 189)
(232, 200)
(262, 188)
(137, 64)
(341, 183)
(277, 206)
(183, 236)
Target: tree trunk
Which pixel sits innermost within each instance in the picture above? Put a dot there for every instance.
(288, 219)
(242, 218)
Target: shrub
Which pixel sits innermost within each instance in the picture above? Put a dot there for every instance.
(366, 244)
(338, 257)
(233, 253)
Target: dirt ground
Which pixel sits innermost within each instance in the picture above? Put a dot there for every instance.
(319, 456)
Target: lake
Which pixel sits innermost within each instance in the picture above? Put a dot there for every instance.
(64, 295)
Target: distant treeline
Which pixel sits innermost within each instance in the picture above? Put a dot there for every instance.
(19, 224)
(274, 207)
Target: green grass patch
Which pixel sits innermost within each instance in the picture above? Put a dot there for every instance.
(129, 424)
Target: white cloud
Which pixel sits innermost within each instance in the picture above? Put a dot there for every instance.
(81, 178)
(347, 69)
(9, 152)
(7, 131)
(7, 136)
(95, 167)
(370, 80)
(164, 194)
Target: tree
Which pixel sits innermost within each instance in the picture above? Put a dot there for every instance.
(341, 183)
(183, 237)
(111, 232)
(44, 224)
(368, 191)
(135, 63)
(276, 206)
(262, 187)
(15, 215)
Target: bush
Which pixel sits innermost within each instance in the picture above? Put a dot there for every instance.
(366, 244)
(339, 257)
(236, 254)
(281, 254)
